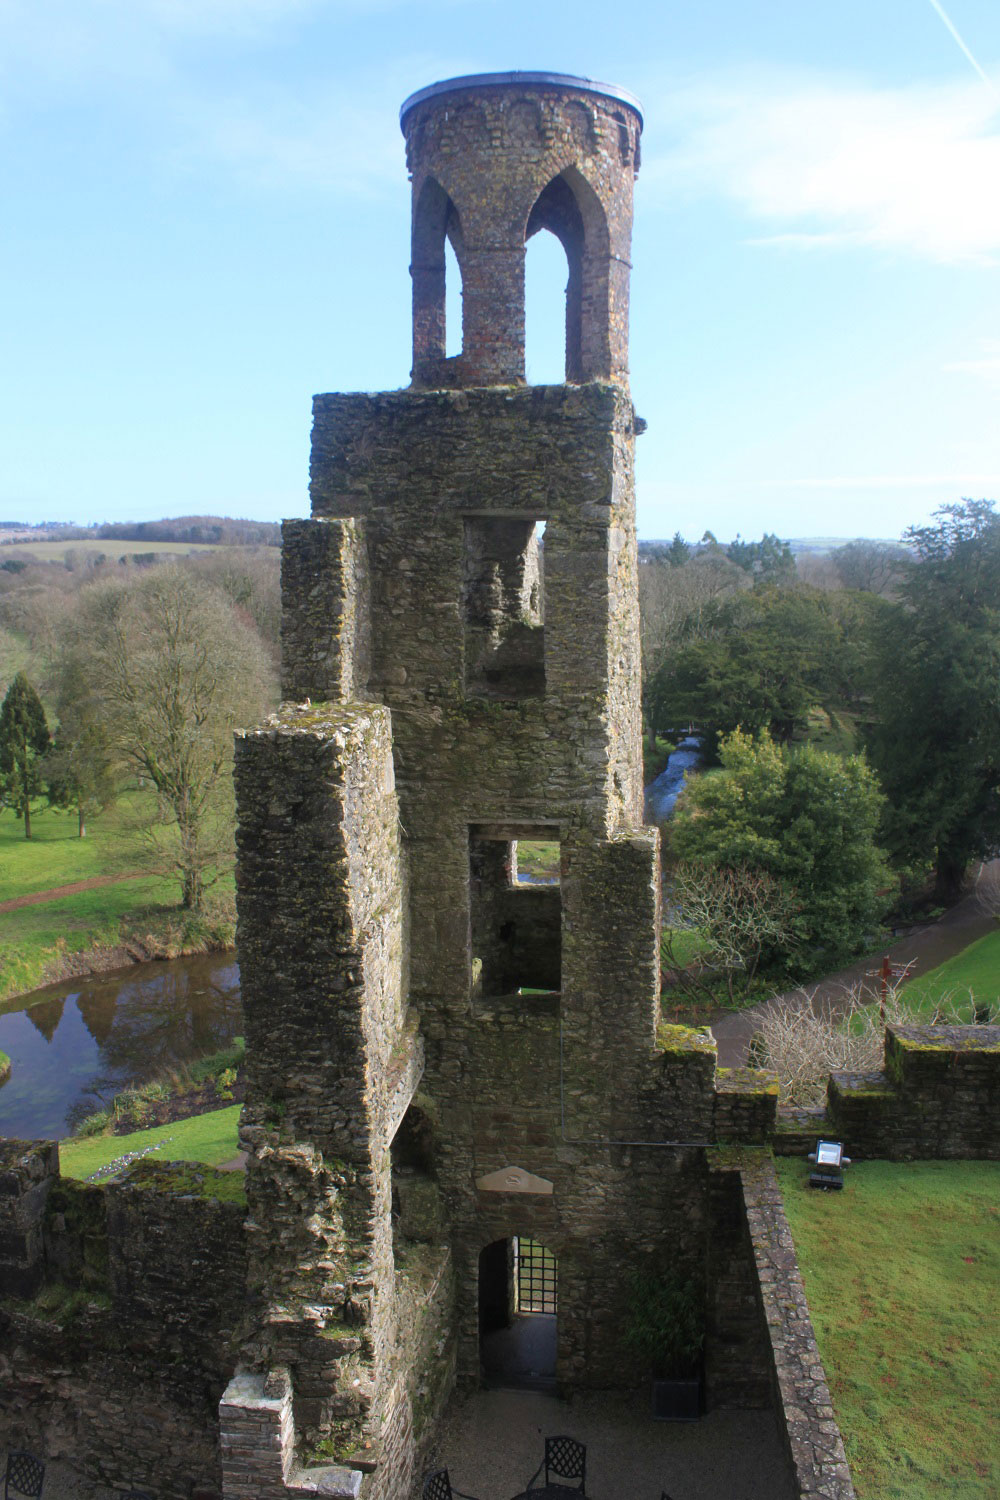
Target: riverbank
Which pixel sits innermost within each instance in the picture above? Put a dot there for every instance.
(71, 907)
(60, 946)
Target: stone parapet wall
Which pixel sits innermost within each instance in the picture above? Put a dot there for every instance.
(937, 1098)
(325, 624)
(802, 1396)
(746, 1105)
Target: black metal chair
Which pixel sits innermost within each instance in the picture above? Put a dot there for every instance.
(565, 1458)
(437, 1486)
(25, 1476)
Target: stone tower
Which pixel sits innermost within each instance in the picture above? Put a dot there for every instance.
(445, 1059)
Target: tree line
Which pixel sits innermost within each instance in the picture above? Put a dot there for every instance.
(146, 673)
(900, 647)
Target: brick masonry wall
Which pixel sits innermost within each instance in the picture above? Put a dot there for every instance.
(491, 164)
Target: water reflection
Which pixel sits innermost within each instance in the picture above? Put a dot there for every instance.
(74, 1045)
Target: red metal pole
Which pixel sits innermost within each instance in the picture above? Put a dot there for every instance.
(884, 987)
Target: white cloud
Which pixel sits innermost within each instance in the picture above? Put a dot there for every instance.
(986, 367)
(828, 162)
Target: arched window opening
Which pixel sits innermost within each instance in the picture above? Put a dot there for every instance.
(518, 1306)
(452, 301)
(435, 226)
(569, 208)
(545, 287)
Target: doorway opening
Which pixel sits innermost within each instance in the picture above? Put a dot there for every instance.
(518, 1313)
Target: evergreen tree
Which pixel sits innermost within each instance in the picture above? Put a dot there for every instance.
(80, 767)
(678, 552)
(24, 739)
(808, 819)
(936, 743)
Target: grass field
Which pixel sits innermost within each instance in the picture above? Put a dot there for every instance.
(902, 1273)
(210, 1139)
(56, 551)
(971, 976)
(33, 937)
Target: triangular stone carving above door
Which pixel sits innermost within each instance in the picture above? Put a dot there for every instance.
(513, 1180)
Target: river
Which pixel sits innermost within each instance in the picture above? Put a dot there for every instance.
(75, 1044)
(662, 793)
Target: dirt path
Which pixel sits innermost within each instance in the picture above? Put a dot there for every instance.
(37, 898)
(923, 948)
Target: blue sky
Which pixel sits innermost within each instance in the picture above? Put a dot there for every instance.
(207, 220)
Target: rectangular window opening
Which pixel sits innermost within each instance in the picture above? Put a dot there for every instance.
(516, 915)
(504, 608)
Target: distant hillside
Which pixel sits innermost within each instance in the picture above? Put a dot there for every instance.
(216, 531)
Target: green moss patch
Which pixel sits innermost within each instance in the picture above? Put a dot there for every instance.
(684, 1039)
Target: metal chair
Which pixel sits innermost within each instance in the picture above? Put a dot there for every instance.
(566, 1459)
(25, 1476)
(437, 1486)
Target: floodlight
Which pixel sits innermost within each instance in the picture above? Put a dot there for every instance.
(829, 1160)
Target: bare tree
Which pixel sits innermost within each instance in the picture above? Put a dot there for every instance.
(174, 670)
(741, 916)
(804, 1040)
(671, 603)
(874, 567)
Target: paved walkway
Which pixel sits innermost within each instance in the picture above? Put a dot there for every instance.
(493, 1441)
(923, 948)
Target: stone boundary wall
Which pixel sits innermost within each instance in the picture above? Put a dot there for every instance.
(802, 1396)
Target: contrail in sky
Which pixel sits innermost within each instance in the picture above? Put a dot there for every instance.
(948, 22)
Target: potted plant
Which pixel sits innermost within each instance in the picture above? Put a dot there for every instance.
(665, 1330)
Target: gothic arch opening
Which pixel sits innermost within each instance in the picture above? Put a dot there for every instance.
(570, 210)
(435, 224)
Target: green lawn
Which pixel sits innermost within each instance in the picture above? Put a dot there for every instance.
(972, 974)
(32, 937)
(111, 547)
(56, 855)
(210, 1139)
(538, 857)
(902, 1273)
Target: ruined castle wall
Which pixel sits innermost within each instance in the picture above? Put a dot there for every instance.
(325, 625)
(330, 1058)
(417, 468)
(117, 1361)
